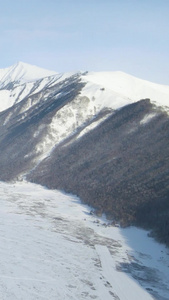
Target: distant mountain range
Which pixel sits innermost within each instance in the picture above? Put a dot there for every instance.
(101, 135)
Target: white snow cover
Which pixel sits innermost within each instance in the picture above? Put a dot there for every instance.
(23, 72)
(5, 100)
(126, 89)
(147, 118)
(65, 122)
(24, 77)
(103, 89)
(107, 89)
(26, 80)
(53, 248)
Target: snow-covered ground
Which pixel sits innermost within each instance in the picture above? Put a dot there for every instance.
(119, 89)
(51, 247)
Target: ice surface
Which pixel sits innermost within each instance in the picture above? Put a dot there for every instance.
(51, 247)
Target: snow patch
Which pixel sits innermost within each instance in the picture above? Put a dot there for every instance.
(93, 125)
(5, 100)
(147, 118)
(66, 122)
(104, 98)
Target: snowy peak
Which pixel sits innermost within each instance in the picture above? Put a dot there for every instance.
(103, 89)
(22, 73)
(110, 89)
(21, 81)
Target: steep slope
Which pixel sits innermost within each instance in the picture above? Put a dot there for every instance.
(27, 127)
(120, 167)
(90, 134)
(21, 80)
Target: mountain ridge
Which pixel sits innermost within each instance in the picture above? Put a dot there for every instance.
(23, 76)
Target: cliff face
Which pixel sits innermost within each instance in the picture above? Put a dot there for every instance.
(121, 167)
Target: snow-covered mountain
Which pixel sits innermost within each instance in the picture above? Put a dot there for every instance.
(24, 87)
(22, 80)
(21, 73)
(101, 135)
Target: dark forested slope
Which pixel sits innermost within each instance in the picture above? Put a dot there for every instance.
(120, 168)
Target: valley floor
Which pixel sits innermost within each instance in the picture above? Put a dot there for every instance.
(51, 247)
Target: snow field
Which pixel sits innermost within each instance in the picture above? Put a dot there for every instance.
(129, 87)
(52, 248)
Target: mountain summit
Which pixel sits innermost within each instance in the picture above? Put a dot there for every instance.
(103, 136)
(21, 73)
(17, 82)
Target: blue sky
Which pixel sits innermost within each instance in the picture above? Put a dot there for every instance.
(95, 35)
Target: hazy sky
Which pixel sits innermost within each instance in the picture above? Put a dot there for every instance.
(94, 35)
